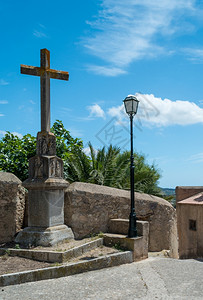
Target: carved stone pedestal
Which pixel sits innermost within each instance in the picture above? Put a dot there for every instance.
(44, 236)
(45, 187)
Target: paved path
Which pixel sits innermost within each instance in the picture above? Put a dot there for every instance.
(154, 278)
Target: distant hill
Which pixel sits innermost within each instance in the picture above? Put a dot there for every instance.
(170, 195)
(168, 192)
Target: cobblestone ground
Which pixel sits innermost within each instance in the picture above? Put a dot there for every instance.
(154, 278)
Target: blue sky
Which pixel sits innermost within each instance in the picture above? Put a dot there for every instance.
(111, 48)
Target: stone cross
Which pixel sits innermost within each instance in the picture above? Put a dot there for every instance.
(45, 74)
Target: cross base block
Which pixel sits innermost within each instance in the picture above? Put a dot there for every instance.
(42, 236)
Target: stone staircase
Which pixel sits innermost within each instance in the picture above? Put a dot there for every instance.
(117, 235)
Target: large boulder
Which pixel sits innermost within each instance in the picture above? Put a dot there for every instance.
(12, 205)
(89, 207)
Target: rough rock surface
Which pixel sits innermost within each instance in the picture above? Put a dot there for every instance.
(89, 207)
(12, 205)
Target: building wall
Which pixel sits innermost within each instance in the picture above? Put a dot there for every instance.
(190, 229)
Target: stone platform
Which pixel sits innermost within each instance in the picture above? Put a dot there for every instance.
(47, 236)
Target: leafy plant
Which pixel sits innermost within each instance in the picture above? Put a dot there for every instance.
(109, 167)
(117, 246)
(101, 235)
(15, 152)
(8, 252)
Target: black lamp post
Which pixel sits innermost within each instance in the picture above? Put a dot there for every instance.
(131, 106)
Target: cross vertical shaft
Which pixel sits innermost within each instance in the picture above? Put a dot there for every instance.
(45, 90)
(45, 74)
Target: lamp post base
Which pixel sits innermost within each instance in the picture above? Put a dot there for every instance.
(132, 231)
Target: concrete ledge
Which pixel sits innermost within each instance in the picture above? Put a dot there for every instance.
(67, 270)
(53, 256)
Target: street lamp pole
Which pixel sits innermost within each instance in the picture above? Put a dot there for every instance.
(132, 232)
(131, 106)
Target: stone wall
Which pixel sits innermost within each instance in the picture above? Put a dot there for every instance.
(88, 209)
(12, 204)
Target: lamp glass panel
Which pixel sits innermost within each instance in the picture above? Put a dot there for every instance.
(128, 106)
(135, 106)
(131, 106)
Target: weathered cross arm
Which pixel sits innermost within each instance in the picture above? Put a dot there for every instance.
(45, 73)
(29, 70)
(39, 71)
(58, 74)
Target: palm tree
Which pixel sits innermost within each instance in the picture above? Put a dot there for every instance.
(78, 166)
(146, 177)
(108, 167)
(112, 168)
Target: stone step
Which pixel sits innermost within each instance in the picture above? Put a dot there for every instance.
(121, 226)
(67, 269)
(138, 245)
(53, 256)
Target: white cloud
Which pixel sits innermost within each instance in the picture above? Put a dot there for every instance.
(3, 132)
(196, 158)
(162, 112)
(66, 109)
(96, 111)
(32, 102)
(40, 32)
(116, 111)
(119, 113)
(106, 71)
(75, 132)
(17, 134)
(165, 112)
(87, 151)
(42, 26)
(2, 115)
(126, 31)
(3, 82)
(194, 54)
(3, 102)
